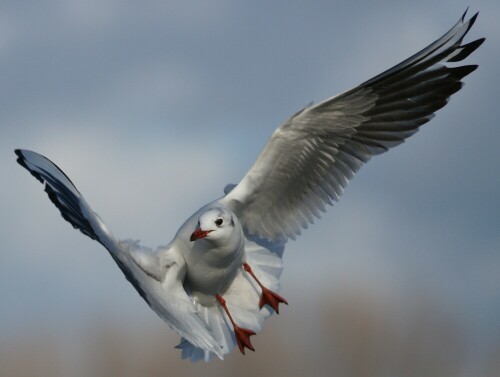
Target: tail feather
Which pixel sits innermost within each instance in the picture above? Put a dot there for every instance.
(242, 298)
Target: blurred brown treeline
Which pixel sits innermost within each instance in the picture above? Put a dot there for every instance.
(352, 334)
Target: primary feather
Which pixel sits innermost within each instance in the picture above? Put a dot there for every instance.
(310, 159)
(305, 166)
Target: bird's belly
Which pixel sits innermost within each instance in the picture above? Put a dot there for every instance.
(205, 277)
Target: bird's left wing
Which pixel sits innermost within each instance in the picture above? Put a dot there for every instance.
(310, 159)
(165, 294)
(158, 277)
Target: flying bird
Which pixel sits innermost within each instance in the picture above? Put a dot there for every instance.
(218, 280)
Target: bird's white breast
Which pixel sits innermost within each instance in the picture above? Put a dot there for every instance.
(210, 268)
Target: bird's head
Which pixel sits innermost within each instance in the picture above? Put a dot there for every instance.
(218, 225)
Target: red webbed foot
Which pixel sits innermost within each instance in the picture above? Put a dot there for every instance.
(267, 297)
(242, 335)
(243, 338)
(272, 299)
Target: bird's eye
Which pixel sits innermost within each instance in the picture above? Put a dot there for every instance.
(219, 222)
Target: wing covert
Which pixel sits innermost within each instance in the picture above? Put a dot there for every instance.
(309, 160)
(157, 276)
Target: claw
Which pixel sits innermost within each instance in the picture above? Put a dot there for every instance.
(267, 297)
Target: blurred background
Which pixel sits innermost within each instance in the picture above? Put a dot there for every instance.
(153, 107)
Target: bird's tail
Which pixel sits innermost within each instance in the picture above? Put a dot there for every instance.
(63, 193)
(243, 297)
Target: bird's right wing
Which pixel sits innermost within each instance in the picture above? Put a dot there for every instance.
(157, 279)
(310, 159)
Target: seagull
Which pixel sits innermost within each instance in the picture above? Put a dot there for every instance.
(218, 280)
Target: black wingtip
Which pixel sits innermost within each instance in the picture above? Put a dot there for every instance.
(479, 42)
(19, 154)
(465, 13)
(20, 157)
(21, 160)
(466, 50)
(471, 21)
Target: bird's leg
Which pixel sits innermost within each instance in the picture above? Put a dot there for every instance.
(267, 297)
(242, 335)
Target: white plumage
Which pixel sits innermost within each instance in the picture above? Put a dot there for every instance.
(216, 282)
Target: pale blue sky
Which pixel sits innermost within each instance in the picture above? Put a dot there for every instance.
(152, 109)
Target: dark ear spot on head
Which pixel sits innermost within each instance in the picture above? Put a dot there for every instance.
(232, 221)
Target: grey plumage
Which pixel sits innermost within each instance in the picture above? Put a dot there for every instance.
(310, 159)
(305, 166)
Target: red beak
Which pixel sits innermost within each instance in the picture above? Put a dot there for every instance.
(198, 233)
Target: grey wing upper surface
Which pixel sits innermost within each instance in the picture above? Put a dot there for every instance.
(310, 159)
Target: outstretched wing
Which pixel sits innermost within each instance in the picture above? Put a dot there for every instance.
(63, 193)
(158, 280)
(310, 159)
